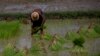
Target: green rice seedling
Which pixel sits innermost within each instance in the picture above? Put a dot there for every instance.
(35, 49)
(76, 38)
(9, 50)
(47, 37)
(83, 31)
(36, 36)
(9, 29)
(92, 34)
(57, 43)
(78, 51)
(88, 33)
(79, 42)
(97, 28)
(72, 35)
(56, 47)
(61, 40)
(97, 54)
(20, 53)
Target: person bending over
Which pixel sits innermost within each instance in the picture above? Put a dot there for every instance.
(37, 21)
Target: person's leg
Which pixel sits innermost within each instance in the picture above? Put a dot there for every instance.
(42, 31)
(32, 31)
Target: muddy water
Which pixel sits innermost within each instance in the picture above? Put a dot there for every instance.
(60, 27)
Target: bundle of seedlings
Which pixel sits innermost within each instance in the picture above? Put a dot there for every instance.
(57, 43)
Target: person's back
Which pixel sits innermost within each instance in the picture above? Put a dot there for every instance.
(37, 20)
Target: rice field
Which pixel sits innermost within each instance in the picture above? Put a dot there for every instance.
(55, 41)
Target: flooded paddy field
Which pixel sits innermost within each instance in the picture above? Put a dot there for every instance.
(59, 27)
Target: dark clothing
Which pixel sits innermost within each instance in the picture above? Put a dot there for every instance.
(38, 24)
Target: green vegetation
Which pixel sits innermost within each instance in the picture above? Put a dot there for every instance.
(84, 33)
(57, 44)
(8, 29)
(57, 15)
(78, 51)
(20, 53)
(77, 39)
(79, 42)
(72, 35)
(14, 15)
(88, 33)
(53, 43)
(97, 28)
(9, 50)
(35, 49)
(73, 14)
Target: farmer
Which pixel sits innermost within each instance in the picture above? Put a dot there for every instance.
(37, 21)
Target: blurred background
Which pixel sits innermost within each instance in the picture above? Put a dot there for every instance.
(24, 6)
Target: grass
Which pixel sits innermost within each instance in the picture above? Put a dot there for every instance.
(14, 15)
(9, 50)
(9, 29)
(57, 15)
(20, 53)
(78, 51)
(97, 28)
(73, 14)
(85, 33)
(36, 49)
(79, 38)
(57, 44)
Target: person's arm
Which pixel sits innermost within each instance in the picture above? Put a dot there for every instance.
(43, 20)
